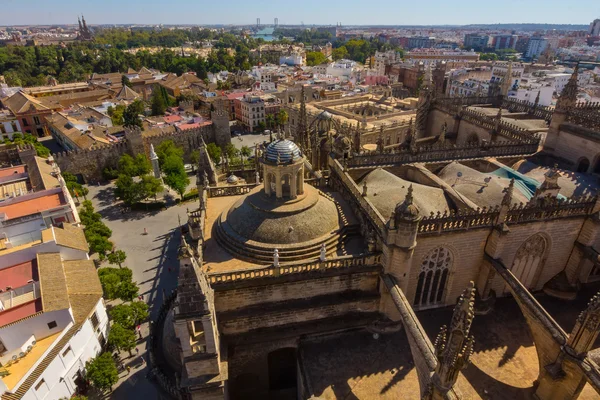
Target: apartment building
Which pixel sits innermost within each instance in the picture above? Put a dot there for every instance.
(251, 111)
(52, 315)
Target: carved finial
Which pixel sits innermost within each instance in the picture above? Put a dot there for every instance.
(407, 210)
(508, 193)
(276, 258)
(323, 253)
(537, 99)
(586, 329)
(464, 310)
(364, 191)
(442, 136)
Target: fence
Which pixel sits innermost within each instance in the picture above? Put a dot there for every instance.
(296, 268)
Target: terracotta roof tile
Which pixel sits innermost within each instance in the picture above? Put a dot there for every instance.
(53, 285)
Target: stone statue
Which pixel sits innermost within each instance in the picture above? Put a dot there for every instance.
(276, 258)
(257, 177)
(323, 256)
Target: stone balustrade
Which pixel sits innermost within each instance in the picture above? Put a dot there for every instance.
(373, 259)
(234, 190)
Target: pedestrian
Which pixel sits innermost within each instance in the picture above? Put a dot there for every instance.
(128, 369)
(137, 350)
(145, 231)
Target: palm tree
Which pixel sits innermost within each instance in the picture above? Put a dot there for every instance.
(282, 118)
(270, 121)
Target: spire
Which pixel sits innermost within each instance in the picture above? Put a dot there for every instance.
(442, 137)
(498, 120)
(507, 81)
(537, 99)
(454, 345)
(84, 23)
(301, 130)
(79, 22)
(380, 140)
(568, 97)
(508, 193)
(407, 210)
(428, 79)
(586, 329)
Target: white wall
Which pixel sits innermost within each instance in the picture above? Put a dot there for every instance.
(84, 346)
(530, 95)
(29, 253)
(15, 336)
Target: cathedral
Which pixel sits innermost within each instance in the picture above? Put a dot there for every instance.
(367, 217)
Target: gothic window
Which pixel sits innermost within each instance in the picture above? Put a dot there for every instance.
(528, 259)
(433, 277)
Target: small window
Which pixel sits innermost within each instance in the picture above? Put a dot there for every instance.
(52, 325)
(36, 120)
(94, 319)
(40, 384)
(66, 351)
(25, 123)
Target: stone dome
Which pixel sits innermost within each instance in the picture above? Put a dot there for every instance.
(232, 179)
(282, 151)
(256, 218)
(325, 115)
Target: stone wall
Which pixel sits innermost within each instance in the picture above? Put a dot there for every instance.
(574, 147)
(253, 295)
(90, 163)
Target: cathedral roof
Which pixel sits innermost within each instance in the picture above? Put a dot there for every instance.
(385, 190)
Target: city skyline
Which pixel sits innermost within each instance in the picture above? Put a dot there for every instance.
(438, 12)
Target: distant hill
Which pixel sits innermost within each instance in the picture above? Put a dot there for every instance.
(529, 27)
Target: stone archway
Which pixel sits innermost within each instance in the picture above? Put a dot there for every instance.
(286, 185)
(282, 364)
(583, 165)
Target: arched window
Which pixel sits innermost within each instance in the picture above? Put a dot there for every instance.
(433, 277)
(271, 182)
(528, 260)
(583, 165)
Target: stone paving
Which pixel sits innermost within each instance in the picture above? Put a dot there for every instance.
(153, 260)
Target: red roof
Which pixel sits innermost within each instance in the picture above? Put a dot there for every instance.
(18, 275)
(33, 205)
(195, 125)
(170, 119)
(237, 95)
(21, 311)
(12, 171)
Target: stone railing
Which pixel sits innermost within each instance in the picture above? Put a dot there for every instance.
(455, 103)
(234, 190)
(509, 131)
(442, 152)
(363, 203)
(454, 221)
(586, 117)
(544, 209)
(318, 182)
(514, 105)
(295, 268)
(550, 209)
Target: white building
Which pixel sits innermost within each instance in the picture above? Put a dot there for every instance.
(292, 59)
(499, 70)
(252, 111)
(536, 46)
(341, 68)
(558, 81)
(9, 124)
(531, 93)
(466, 88)
(52, 315)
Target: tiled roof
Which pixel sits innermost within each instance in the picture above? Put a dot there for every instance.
(21, 102)
(53, 285)
(33, 205)
(71, 236)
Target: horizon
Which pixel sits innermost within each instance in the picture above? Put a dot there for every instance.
(354, 13)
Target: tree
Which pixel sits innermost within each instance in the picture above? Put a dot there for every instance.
(315, 58)
(117, 283)
(195, 159)
(270, 120)
(231, 151)
(175, 176)
(121, 338)
(339, 53)
(117, 257)
(125, 81)
(150, 186)
(158, 103)
(96, 232)
(75, 188)
(245, 152)
(129, 315)
(116, 114)
(132, 112)
(166, 149)
(214, 152)
(137, 166)
(488, 56)
(282, 118)
(102, 371)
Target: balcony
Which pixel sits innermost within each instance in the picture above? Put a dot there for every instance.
(21, 295)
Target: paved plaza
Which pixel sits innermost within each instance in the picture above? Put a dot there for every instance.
(153, 260)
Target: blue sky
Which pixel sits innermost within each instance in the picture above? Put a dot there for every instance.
(349, 12)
